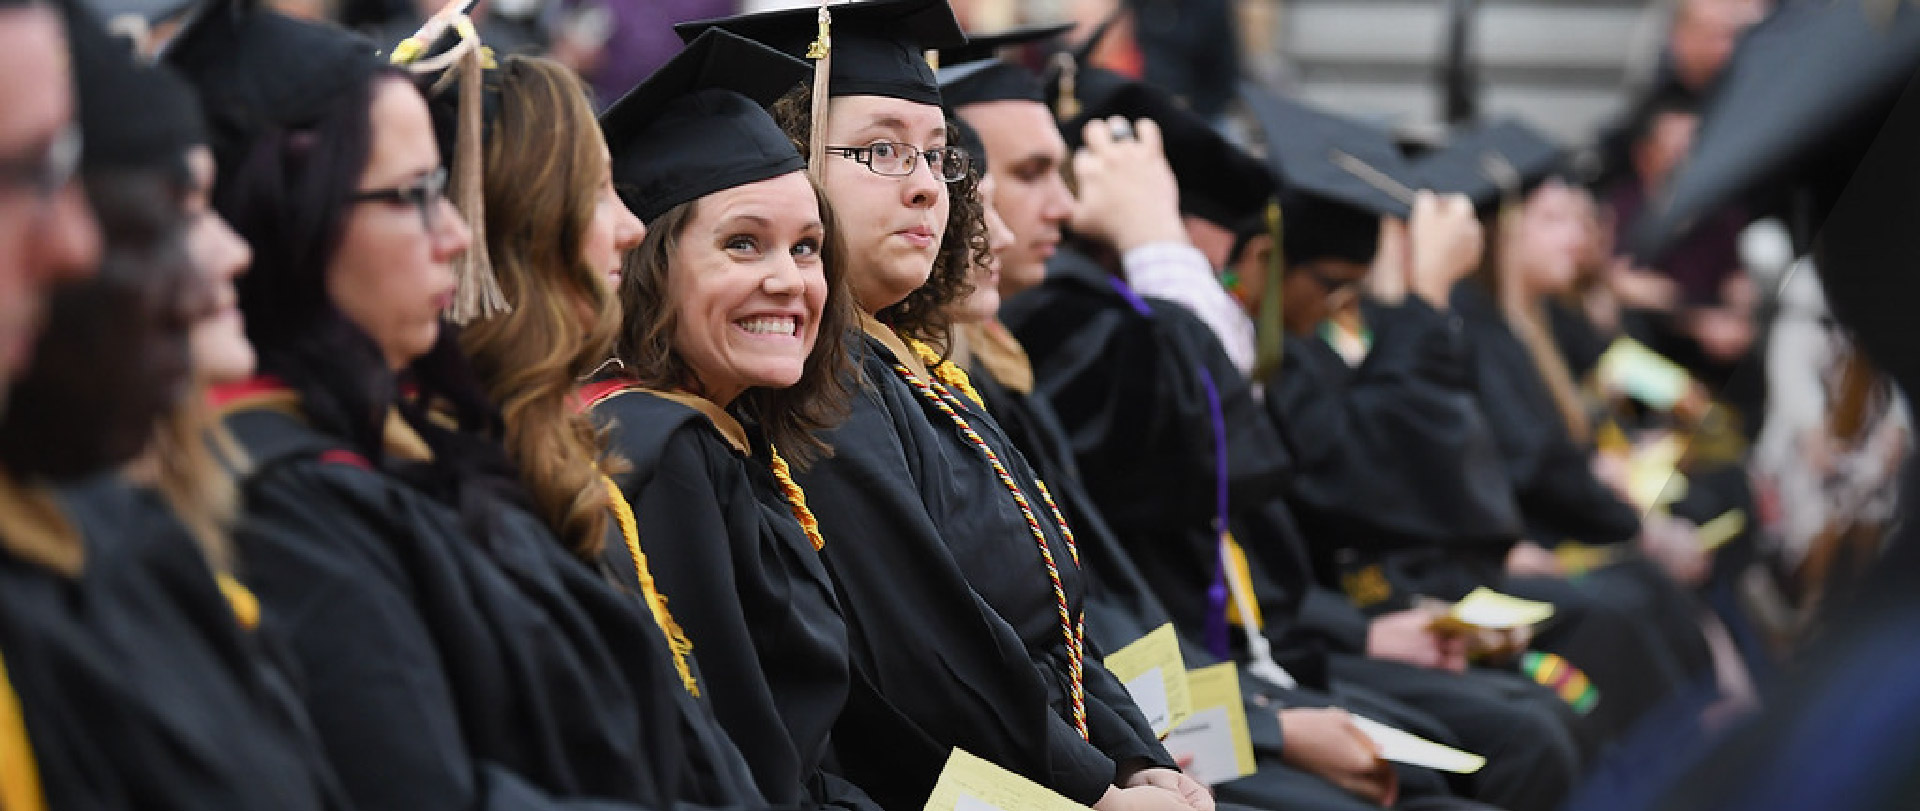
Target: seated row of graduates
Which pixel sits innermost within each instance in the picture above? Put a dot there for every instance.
(462, 579)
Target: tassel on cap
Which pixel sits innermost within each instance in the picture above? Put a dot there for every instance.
(821, 52)
(478, 294)
(1271, 328)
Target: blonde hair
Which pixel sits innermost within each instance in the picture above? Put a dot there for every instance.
(540, 198)
(1527, 317)
(196, 462)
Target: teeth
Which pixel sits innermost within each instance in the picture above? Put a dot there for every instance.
(771, 326)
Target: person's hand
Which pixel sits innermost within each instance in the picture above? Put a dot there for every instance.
(1674, 544)
(1444, 242)
(1141, 798)
(1128, 195)
(1641, 289)
(1387, 278)
(1408, 636)
(1529, 559)
(1196, 796)
(1326, 743)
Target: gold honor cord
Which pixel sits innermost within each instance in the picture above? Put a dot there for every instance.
(19, 772)
(1270, 327)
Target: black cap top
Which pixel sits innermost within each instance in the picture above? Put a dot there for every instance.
(878, 45)
(1316, 152)
(699, 124)
(1219, 181)
(257, 69)
(1491, 162)
(975, 72)
(133, 116)
(1804, 93)
(1316, 228)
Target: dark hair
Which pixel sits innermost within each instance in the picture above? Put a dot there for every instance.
(926, 313)
(288, 193)
(791, 417)
(128, 324)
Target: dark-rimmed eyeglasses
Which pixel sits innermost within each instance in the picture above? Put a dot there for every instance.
(48, 169)
(1329, 284)
(424, 194)
(895, 159)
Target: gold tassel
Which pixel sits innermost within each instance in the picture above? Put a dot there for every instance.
(821, 52)
(478, 294)
(1066, 104)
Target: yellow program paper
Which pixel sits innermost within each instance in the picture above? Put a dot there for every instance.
(969, 783)
(1486, 609)
(1214, 740)
(1156, 677)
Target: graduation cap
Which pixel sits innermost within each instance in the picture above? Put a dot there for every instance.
(258, 70)
(1491, 164)
(975, 72)
(1804, 89)
(875, 48)
(699, 124)
(1219, 181)
(134, 116)
(1315, 152)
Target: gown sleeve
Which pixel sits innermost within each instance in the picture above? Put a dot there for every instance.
(374, 678)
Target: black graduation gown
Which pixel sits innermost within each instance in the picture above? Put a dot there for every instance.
(1559, 496)
(744, 581)
(137, 686)
(1092, 350)
(1392, 455)
(445, 671)
(915, 522)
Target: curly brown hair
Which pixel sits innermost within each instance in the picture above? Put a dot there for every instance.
(792, 417)
(926, 313)
(544, 166)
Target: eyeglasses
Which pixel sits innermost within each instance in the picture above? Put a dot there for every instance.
(424, 194)
(1329, 284)
(46, 173)
(894, 159)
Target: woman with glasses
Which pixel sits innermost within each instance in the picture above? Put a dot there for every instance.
(729, 363)
(960, 581)
(450, 652)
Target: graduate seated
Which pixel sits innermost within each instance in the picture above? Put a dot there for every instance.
(728, 365)
(960, 582)
(132, 677)
(1145, 395)
(450, 650)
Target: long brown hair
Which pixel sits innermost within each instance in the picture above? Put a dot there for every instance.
(543, 165)
(1528, 319)
(791, 417)
(196, 463)
(926, 313)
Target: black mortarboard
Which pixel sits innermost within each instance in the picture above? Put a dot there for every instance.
(878, 46)
(1316, 228)
(1219, 181)
(257, 69)
(699, 124)
(1802, 91)
(975, 72)
(1316, 152)
(133, 116)
(1491, 163)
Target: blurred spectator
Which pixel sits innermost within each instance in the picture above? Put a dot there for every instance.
(1191, 49)
(1696, 302)
(1702, 39)
(617, 43)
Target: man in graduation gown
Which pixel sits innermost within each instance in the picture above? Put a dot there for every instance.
(1153, 361)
